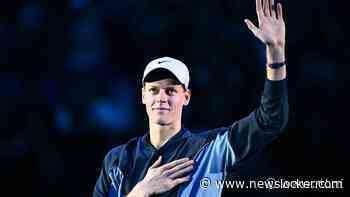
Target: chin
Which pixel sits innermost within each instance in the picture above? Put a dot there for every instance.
(161, 121)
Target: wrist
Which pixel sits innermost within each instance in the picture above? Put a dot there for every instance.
(275, 54)
(276, 74)
(139, 191)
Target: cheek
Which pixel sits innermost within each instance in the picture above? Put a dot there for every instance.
(147, 100)
(176, 103)
(149, 105)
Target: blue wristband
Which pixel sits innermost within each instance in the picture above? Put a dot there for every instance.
(276, 65)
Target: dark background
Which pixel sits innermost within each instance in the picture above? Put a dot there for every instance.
(71, 75)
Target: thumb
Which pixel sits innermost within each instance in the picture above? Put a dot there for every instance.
(252, 28)
(157, 162)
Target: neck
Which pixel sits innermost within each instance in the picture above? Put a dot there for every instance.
(160, 134)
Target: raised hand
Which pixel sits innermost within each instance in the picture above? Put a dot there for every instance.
(271, 29)
(160, 179)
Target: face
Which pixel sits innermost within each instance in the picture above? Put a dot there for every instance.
(164, 101)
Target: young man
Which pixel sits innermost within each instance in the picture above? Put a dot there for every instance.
(170, 160)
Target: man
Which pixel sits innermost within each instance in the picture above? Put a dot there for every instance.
(170, 160)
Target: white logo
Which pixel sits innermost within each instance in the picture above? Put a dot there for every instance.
(205, 182)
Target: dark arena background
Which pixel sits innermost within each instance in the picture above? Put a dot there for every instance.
(71, 74)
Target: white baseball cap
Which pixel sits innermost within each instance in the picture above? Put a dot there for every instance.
(176, 67)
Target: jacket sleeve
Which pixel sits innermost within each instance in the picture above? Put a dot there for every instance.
(264, 124)
(103, 184)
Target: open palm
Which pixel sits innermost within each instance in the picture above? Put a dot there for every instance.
(271, 29)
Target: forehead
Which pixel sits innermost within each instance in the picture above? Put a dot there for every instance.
(163, 83)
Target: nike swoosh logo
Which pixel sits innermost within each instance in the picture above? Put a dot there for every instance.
(159, 62)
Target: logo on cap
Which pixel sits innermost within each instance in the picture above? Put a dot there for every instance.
(159, 62)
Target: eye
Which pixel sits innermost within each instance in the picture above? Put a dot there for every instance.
(153, 90)
(171, 91)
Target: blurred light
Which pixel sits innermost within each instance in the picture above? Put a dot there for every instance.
(88, 48)
(64, 118)
(110, 115)
(85, 29)
(81, 61)
(79, 4)
(31, 16)
(117, 112)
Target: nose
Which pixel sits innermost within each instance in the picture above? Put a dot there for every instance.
(162, 96)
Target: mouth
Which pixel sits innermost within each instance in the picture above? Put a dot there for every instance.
(160, 109)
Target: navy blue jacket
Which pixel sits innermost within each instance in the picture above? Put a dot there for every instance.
(215, 152)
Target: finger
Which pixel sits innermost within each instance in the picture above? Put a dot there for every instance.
(179, 167)
(272, 8)
(181, 180)
(258, 8)
(266, 8)
(182, 172)
(279, 11)
(252, 27)
(156, 163)
(173, 163)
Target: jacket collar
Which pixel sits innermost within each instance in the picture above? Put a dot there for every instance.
(179, 136)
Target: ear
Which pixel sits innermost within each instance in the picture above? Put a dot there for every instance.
(143, 95)
(188, 94)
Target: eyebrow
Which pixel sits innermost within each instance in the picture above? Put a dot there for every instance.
(166, 86)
